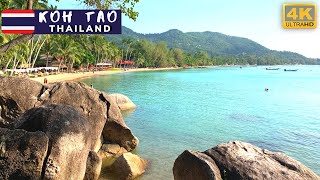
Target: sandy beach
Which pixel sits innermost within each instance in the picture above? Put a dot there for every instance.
(80, 75)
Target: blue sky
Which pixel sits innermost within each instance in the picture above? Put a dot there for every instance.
(259, 20)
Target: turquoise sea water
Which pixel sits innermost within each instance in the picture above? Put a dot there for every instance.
(200, 108)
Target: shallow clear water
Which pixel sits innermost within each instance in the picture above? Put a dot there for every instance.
(200, 108)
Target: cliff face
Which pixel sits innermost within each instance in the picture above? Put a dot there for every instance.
(239, 160)
(74, 120)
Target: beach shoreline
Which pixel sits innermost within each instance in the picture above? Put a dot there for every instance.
(83, 75)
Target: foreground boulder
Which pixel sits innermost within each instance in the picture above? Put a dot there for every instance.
(129, 166)
(18, 95)
(195, 165)
(69, 139)
(239, 160)
(123, 102)
(22, 154)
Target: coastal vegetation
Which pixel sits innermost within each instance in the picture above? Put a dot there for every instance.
(169, 49)
(76, 51)
(216, 48)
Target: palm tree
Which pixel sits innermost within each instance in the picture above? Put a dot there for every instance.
(48, 48)
(68, 50)
(128, 42)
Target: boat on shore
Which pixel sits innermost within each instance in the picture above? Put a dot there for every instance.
(187, 67)
(290, 69)
(273, 69)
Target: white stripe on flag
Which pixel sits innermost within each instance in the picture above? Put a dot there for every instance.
(17, 28)
(8, 15)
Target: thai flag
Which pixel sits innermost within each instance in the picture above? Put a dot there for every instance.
(18, 21)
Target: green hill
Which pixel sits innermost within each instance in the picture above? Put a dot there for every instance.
(215, 44)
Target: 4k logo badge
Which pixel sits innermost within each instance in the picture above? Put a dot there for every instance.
(299, 16)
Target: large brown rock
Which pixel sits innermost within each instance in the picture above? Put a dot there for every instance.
(94, 163)
(16, 96)
(22, 154)
(239, 160)
(69, 139)
(115, 130)
(192, 165)
(85, 100)
(20, 94)
(123, 102)
(129, 166)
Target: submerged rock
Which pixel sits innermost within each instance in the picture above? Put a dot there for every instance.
(239, 160)
(129, 166)
(22, 154)
(123, 102)
(195, 165)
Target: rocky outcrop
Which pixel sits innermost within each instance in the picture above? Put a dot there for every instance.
(239, 160)
(123, 102)
(115, 130)
(94, 164)
(129, 166)
(22, 154)
(111, 150)
(75, 119)
(20, 94)
(85, 100)
(69, 139)
(192, 165)
(16, 96)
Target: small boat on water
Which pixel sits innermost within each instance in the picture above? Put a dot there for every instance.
(201, 67)
(290, 69)
(275, 69)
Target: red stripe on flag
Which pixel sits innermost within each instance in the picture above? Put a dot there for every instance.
(17, 31)
(17, 11)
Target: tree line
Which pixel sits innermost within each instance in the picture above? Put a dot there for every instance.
(75, 51)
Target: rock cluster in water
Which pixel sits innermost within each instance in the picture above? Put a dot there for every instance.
(59, 131)
(239, 160)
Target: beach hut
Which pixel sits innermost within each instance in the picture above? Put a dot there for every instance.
(125, 64)
(103, 66)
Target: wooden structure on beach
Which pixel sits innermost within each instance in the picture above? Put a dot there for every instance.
(125, 64)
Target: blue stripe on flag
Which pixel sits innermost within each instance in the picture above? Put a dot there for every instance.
(17, 21)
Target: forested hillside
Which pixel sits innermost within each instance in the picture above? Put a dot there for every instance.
(219, 47)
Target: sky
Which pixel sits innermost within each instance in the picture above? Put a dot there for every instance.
(258, 20)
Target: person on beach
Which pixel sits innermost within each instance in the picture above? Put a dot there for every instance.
(45, 81)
